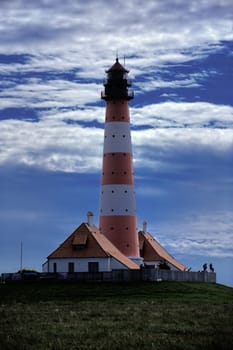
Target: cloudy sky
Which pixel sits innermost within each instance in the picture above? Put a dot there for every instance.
(53, 57)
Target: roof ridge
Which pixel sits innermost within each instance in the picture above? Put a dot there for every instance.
(115, 251)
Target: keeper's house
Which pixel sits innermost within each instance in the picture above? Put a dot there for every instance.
(87, 250)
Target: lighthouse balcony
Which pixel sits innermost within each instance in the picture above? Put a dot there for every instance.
(117, 95)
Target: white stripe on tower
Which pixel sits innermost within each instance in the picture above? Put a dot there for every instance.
(118, 220)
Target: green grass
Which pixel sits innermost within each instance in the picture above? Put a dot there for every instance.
(166, 315)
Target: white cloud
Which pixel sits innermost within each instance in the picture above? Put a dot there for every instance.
(51, 145)
(68, 34)
(208, 234)
(36, 93)
(154, 84)
(183, 114)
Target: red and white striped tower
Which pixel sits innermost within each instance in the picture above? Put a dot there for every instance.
(118, 220)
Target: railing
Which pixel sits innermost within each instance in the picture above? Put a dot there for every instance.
(118, 276)
(128, 95)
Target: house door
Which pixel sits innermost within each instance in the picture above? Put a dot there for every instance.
(71, 267)
(93, 267)
(54, 267)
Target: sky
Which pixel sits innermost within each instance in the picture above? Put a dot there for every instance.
(53, 57)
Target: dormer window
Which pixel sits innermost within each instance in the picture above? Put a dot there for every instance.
(79, 241)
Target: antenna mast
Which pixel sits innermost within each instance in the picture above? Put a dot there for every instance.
(21, 256)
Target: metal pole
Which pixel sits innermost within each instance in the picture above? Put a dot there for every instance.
(21, 256)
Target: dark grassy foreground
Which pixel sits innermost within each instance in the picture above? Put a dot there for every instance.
(166, 315)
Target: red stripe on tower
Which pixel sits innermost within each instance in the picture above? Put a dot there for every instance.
(118, 220)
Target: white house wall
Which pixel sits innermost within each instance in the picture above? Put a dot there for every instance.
(81, 264)
(116, 265)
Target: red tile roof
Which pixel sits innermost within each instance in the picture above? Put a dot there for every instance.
(87, 242)
(151, 250)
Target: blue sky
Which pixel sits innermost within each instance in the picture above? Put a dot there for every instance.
(53, 57)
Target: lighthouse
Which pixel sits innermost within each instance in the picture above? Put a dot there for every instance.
(118, 219)
(115, 245)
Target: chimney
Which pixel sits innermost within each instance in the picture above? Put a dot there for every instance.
(90, 218)
(144, 226)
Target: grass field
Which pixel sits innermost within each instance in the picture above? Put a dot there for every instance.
(139, 316)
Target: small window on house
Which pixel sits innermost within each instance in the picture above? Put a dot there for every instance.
(71, 267)
(93, 267)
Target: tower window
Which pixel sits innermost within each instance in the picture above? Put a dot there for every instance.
(112, 191)
(112, 172)
(125, 172)
(123, 135)
(112, 209)
(126, 228)
(126, 191)
(113, 135)
(111, 228)
(126, 209)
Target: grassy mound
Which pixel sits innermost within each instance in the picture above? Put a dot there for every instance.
(166, 315)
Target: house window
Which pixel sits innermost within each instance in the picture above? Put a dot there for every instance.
(70, 267)
(93, 267)
(54, 267)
